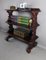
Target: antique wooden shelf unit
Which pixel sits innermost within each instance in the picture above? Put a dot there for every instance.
(31, 36)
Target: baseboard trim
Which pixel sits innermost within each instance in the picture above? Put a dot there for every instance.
(41, 46)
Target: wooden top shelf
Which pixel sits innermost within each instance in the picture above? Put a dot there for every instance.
(24, 9)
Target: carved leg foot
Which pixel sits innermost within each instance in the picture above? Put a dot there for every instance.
(30, 46)
(7, 38)
(28, 50)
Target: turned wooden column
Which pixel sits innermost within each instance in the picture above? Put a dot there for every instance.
(33, 43)
(34, 13)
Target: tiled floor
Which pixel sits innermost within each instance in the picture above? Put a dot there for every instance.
(16, 50)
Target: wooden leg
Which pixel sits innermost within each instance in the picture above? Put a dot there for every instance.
(29, 47)
(7, 38)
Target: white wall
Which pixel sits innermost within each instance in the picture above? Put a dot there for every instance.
(41, 30)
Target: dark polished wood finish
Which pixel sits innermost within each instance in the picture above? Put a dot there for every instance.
(32, 41)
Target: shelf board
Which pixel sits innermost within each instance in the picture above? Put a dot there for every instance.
(24, 9)
(19, 38)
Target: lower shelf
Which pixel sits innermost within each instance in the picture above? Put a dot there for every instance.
(25, 40)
